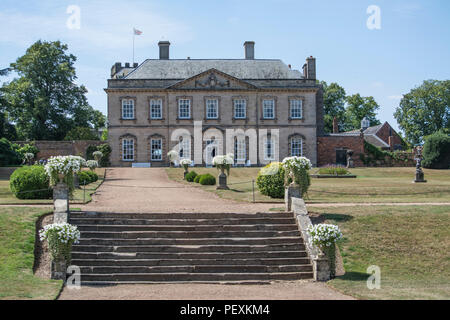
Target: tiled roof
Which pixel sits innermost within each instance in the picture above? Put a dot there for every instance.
(369, 130)
(238, 68)
(374, 140)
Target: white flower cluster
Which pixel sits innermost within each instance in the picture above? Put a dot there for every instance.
(28, 156)
(324, 235)
(64, 164)
(172, 155)
(98, 154)
(223, 160)
(92, 164)
(185, 162)
(66, 232)
(299, 162)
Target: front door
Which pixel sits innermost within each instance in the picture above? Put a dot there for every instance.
(341, 157)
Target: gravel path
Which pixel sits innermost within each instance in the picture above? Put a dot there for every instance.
(149, 190)
(139, 190)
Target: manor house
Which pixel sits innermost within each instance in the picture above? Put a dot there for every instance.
(261, 110)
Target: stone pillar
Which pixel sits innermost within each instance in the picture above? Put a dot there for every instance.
(321, 268)
(61, 203)
(76, 180)
(59, 270)
(292, 191)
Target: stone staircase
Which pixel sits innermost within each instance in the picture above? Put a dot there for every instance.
(189, 247)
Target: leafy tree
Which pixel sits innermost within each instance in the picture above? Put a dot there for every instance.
(334, 105)
(436, 151)
(104, 136)
(44, 102)
(424, 110)
(7, 130)
(8, 154)
(80, 133)
(98, 119)
(359, 108)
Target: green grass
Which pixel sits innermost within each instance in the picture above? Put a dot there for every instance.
(409, 244)
(381, 185)
(80, 196)
(17, 236)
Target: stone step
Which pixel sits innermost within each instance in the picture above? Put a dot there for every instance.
(170, 277)
(134, 233)
(190, 248)
(198, 241)
(190, 216)
(76, 255)
(181, 222)
(190, 262)
(184, 227)
(193, 269)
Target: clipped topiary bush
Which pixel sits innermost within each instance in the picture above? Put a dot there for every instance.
(197, 178)
(25, 180)
(207, 179)
(86, 177)
(191, 176)
(270, 180)
(436, 151)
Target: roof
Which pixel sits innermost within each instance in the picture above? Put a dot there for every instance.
(369, 130)
(238, 68)
(375, 140)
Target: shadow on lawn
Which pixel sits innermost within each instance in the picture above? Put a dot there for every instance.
(322, 217)
(354, 276)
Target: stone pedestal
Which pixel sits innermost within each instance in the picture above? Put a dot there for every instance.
(76, 180)
(61, 203)
(58, 270)
(322, 268)
(419, 176)
(184, 174)
(222, 181)
(292, 191)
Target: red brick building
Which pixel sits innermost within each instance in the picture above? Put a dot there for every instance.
(332, 148)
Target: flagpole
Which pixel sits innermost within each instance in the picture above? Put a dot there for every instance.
(133, 46)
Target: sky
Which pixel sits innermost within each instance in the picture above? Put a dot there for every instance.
(409, 44)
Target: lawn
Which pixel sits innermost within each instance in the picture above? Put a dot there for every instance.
(80, 195)
(371, 185)
(17, 236)
(409, 244)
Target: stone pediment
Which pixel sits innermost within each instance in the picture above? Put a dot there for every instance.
(212, 79)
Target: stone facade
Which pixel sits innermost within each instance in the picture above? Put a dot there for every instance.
(258, 80)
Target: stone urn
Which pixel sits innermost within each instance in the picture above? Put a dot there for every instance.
(186, 171)
(222, 180)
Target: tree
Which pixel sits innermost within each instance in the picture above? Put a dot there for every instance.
(424, 110)
(98, 119)
(44, 102)
(359, 108)
(436, 151)
(7, 130)
(334, 105)
(81, 133)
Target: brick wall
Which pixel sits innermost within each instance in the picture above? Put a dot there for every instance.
(327, 146)
(48, 149)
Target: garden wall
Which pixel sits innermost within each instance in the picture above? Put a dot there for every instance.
(48, 149)
(327, 146)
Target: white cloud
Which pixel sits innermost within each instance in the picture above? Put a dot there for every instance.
(395, 97)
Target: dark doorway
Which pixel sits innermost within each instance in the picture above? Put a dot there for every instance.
(341, 157)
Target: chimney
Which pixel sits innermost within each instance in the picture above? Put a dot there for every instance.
(135, 65)
(164, 50)
(310, 68)
(249, 50)
(391, 143)
(127, 64)
(115, 69)
(335, 125)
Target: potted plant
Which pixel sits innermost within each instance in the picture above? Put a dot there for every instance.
(61, 169)
(185, 163)
(324, 236)
(222, 163)
(60, 237)
(97, 156)
(296, 173)
(172, 155)
(92, 164)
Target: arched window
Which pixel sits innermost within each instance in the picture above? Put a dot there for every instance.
(184, 150)
(128, 149)
(240, 153)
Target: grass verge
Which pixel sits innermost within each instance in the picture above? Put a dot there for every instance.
(372, 185)
(409, 244)
(17, 236)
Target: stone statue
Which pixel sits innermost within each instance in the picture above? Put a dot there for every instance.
(350, 163)
(419, 171)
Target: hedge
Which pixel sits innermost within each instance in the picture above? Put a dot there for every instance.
(207, 179)
(191, 176)
(270, 180)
